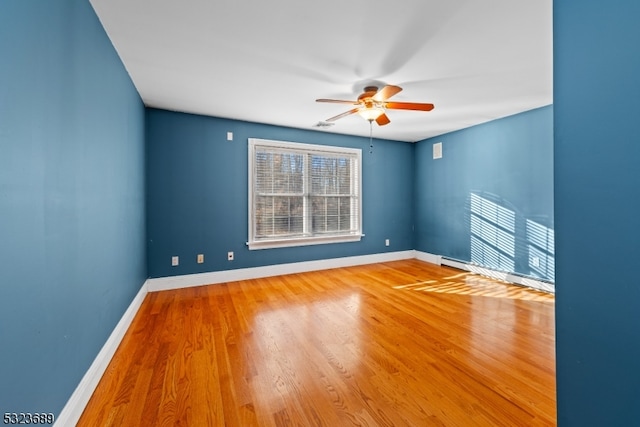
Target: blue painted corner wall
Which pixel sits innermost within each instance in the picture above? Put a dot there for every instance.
(72, 214)
(97, 193)
(197, 194)
(489, 199)
(197, 201)
(597, 199)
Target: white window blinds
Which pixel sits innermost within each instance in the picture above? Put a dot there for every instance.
(302, 194)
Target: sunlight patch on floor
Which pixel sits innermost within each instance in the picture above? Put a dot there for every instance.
(469, 284)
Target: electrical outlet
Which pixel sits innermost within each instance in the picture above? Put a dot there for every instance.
(175, 261)
(535, 261)
(386, 242)
(229, 136)
(230, 256)
(200, 258)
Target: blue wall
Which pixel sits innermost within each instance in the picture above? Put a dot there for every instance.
(489, 199)
(597, 199)
(197, 194)
(72, 242)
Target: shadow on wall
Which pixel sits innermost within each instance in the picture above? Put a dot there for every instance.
(504, 239)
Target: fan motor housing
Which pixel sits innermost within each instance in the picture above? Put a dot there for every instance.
(369, 91)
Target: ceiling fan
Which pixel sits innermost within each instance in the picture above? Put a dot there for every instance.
(372, 104)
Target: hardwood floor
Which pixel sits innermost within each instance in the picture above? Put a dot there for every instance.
(402, 343)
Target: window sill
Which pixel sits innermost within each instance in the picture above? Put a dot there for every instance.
(303, 241)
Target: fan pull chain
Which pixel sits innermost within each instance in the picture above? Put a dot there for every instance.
(370, 136)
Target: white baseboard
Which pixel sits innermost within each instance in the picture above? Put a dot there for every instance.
(76, 404)
(430, 258)
(487, 272)
(72, 411)
(189, 280)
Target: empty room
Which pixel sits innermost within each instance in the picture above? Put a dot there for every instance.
(349, 213)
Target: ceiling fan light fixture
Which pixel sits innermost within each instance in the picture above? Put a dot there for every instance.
(372, 105)
(371, 113)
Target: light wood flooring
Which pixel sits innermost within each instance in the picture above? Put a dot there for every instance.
(402, 343)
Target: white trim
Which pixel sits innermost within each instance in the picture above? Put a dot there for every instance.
(487, 272)
(76, 404)
(214, 277)
(303, 241)
(190, 280)
(309, 238)
(303, 146)
(430, 258)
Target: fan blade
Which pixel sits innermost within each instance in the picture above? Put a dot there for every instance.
(339, 116)
(386, 93)
(383, 120)
(337, 101)
(408, 106)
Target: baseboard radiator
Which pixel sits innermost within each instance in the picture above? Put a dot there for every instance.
(517, 279)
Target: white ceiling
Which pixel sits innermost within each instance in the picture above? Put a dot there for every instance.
(267, 61)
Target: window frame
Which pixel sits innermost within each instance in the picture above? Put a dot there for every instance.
(309, 238)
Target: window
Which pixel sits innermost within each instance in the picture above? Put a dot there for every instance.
(302, 194)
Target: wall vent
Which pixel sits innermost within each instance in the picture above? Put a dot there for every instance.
(323, 125)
